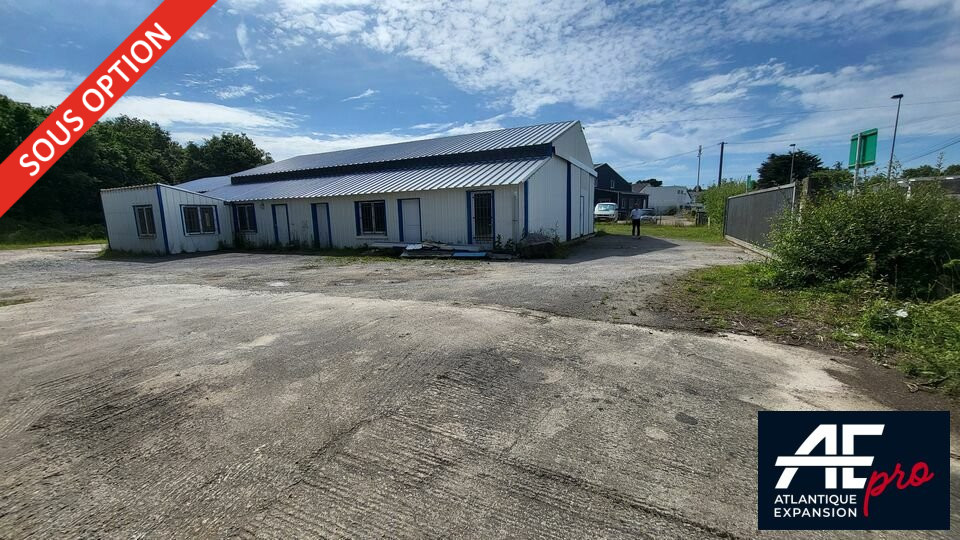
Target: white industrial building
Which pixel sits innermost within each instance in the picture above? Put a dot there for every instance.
(663, 198)
(461, 190)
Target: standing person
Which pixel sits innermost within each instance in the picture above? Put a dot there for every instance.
(635, 218)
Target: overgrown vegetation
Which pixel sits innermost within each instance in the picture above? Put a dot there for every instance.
(64, 205)
(922, 339)
(670, 232)
(908, 241)
(715, 201)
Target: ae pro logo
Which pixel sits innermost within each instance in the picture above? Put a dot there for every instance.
(854, 470)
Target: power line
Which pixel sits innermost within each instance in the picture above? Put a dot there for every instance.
(795, 113)
(811, 137)
(949, 143)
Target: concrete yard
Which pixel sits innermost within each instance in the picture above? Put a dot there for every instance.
(283, 395)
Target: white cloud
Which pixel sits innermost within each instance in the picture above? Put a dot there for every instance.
(529, 54)
(9, 71)
(365, 94)
(231, 92)
(198, 35)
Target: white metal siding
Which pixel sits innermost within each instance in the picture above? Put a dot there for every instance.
(572, 144)
(179, 241)
(547, 191)
(121, 221)
(443, 218)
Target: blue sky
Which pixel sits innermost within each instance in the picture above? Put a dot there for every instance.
(648, 79)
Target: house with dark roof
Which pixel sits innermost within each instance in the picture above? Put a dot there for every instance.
(465, 190)
(611, 187)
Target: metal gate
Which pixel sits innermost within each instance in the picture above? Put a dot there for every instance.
(748, 218)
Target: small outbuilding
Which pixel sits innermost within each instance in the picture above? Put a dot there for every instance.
(471, 190)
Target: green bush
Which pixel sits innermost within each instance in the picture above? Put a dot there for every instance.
(905, 240)
(715, 200)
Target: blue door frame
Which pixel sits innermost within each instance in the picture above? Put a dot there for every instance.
(276, 232)
(316, 224)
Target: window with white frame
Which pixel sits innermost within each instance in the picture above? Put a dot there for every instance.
(199, 219)
(145, 224)
(372, 218)
(246, 218)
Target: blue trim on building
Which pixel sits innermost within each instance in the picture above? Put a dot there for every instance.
(356, 211)
(400, 217)
(569, 202)
(469, 218)
(526, 208)
(329, 229)
(163, 221)
(276, 233)
(216, 218)
(316, 225)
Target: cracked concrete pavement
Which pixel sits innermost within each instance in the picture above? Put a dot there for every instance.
(280, 395)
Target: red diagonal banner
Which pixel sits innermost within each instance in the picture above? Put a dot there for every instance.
(94, 97)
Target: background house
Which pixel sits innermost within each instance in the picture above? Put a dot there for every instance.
(664, 198)
(611, 187)
(462, 190)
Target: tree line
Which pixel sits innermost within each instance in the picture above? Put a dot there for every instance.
(117, 152)
(775, 171)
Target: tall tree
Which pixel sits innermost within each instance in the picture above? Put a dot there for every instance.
(113, 153)
(221, 155)
(775, 171)
(921, 172)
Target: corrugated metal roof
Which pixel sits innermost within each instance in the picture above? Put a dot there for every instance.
(457, 144)
(497, 173)
(202, 185)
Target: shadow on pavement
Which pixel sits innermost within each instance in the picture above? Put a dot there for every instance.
(612, 245)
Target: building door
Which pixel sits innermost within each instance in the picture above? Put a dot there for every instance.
(281, 224)
(481, 208)
(583, 215)
(321, 225)
(410, 220)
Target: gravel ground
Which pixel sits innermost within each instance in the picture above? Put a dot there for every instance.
(278, 395)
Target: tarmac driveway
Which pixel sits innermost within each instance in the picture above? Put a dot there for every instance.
(269, 395)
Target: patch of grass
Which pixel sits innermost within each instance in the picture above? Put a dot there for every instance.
(49, 243)
(668, 232)
(734, 298)
(347, 256)
(4, 302)
(922, 339)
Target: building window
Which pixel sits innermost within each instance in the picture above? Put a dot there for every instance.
(372, 218)
(145, 225)
(199, 219)
(246, 218)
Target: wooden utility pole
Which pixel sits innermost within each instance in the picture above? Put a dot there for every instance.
(720, 174)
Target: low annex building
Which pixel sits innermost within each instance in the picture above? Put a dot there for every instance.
(463, 190)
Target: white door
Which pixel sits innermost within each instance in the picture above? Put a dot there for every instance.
(322, 218)
(410, 214)
(281, 224)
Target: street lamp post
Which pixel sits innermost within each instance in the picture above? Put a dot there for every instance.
(793, 151)
(899, 98)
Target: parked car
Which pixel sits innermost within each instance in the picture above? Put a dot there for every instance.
(605, 212)
(647, 215)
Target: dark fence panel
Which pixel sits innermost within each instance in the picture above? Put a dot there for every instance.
(749, 217)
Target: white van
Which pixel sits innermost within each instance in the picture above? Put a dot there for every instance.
(605, 211)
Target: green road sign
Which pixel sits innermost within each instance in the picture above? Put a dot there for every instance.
(864, 143)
